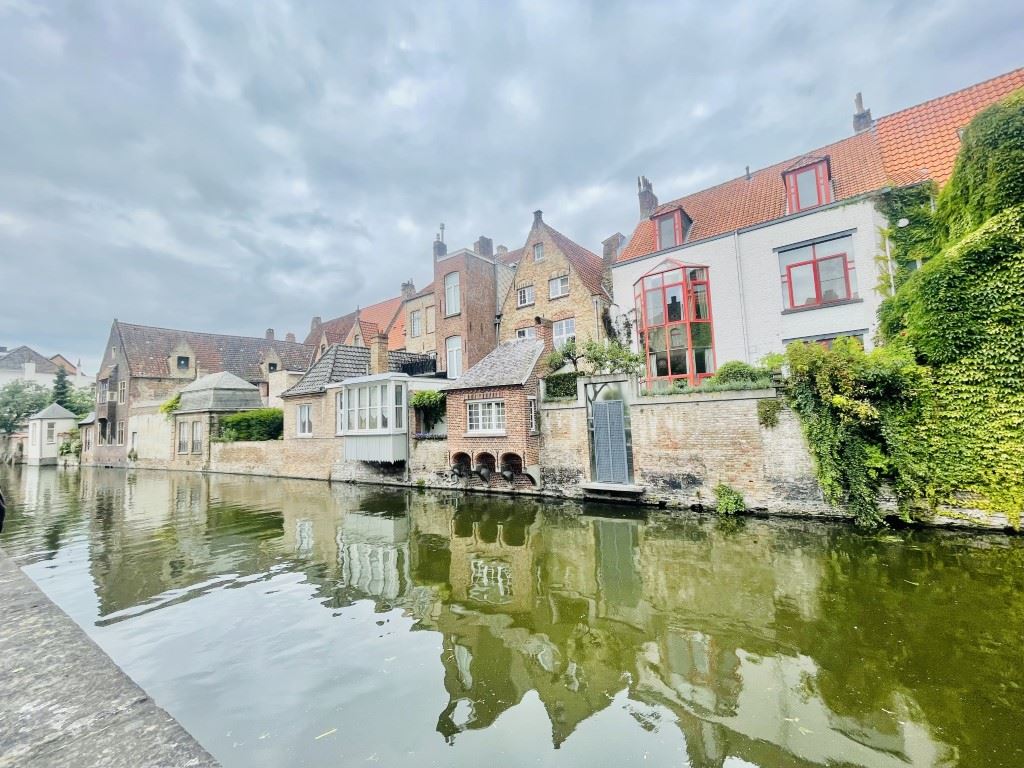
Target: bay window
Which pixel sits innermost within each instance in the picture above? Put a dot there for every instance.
(562, 331)
(818, 274)
(673, 309)
(377, 406)
(485, 416)
(808, 187)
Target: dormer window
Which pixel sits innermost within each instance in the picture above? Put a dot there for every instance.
(673, 227)
(808, 186)
(183, 362)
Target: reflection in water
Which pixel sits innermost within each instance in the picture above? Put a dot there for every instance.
(448, 630)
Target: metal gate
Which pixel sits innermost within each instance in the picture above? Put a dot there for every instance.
(610, 442)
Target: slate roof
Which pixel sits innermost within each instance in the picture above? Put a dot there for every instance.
(508, 364)
(16, 358)
(341, 362)
(89, 419)
(221, 391)
(903, 148)
(148, 348)
(54, 411)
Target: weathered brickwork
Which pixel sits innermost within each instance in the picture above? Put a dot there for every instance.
(518, 437)
(474, 322)
(579, 303)
(565, 451)
(313, 458)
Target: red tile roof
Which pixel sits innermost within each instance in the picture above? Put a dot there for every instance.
(588, 266)
(903, 148)
(336, 330)
(148, 349)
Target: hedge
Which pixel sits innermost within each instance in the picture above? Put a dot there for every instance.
(256, 425)
(560, 385)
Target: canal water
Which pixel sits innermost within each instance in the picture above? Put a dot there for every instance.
(295, 623)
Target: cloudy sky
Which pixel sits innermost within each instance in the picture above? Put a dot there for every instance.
(233, 166)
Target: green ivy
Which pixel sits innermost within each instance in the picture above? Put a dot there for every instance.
(169, 406)
(431, 406)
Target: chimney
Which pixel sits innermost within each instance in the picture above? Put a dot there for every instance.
(440, 249)
(315, 323)
(538, 218)
(648, 200)
(544, 333)
(502, 251)
(270, 334)
(748, 173)
(289, 337)
(861, 117)
(484, 246)
(379, 354)
(408, 290)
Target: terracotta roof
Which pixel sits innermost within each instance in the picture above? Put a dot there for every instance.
(16, 358)
(587, 265)
(511, 258)
(342, 362)
(508, 364)
(368, 331)
(148, 349)
(903, 148)
(385, 314)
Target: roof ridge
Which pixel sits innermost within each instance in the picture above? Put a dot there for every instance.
(207, 333)
(952, 94)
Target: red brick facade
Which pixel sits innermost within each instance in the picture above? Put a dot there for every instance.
(474, 322)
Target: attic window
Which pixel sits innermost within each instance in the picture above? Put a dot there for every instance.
(538, 252)
(183, 362)
(808, 186)
(271, 367)
(673, 228)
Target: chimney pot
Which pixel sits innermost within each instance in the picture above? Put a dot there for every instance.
(270, 334)
(748, 173)
(538, 217)
(289, 337)
(502, 250)
(440, 249)
(379, 362)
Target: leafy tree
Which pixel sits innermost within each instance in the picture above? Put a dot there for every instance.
(612, 357)
(81, 400)
(61, 387)
(569, 352)
(18, 401)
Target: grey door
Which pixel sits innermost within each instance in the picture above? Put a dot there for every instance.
(610, 442)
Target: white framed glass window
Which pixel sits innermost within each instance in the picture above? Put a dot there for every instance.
(558, 287)
(532, 403)
(51, 432)
(485, 416)
(340, 414)
(530, 332)
(415, 323)
(538, 252)
(453, 356)
(122, 391)
(372, 407)
(399, 397)
(120, 433)
(562, 331)
(197, 436)
(452, 305)
(182, 437)
(524, 296)
(304, 420)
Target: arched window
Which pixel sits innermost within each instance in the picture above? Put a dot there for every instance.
(673, 310)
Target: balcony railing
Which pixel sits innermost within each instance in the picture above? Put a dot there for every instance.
(425, 367)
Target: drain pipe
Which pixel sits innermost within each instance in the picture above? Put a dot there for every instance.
(743, 301)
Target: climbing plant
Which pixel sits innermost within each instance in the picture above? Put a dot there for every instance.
(431, 406)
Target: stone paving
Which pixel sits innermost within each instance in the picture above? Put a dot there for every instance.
(64, 703)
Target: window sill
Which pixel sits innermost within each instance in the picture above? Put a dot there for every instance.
(486, 434)
(823, 305)
(556, 298)
(524, 306)
(304, 435)
(453, 314)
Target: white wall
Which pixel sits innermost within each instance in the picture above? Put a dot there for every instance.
(155, 434)
(765, 328)
(28, 373)
(41, 451)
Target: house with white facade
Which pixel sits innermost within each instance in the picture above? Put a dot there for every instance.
(25, 364)
(46, 431)
(794, 251)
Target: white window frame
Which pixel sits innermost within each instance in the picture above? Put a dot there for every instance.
(51, 432)
(304, 418)
(122, 391)
(529, 332)
(120, 432)
(381, 402)
(538, 252)
(415, 324)
(490, 420)
(452, 298)
(532, 406)
(558, 287)
(197, 437)
(558, 335)
(450, 350)
(183, 436)
(525, 296)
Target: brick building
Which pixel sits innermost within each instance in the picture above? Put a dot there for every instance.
(360, 327)
(557, 279)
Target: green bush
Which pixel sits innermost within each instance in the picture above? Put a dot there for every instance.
(768, 413)
(735, 371)
(256, 425)
(169, 406)
(728, 501)
(560, 385)
(431, 405)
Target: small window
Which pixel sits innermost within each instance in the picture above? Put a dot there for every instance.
(530, 332)
(271, 367)
(808, 187)
(304, 419)
(563, 331)
(453, 354)
(122, 391)
(51, 432)
(120, 433)
(197, 437)
(525, 296)
(667, 232)
(558, 287)
(452, 303)
(538, 252)
(532, 402)
(183, 362)
(182, 437)
(486, 416)
(415, 323)
(399, 406)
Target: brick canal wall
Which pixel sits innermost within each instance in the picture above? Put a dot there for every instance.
(64, 703)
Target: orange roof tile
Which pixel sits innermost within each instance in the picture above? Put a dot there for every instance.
(903, 148)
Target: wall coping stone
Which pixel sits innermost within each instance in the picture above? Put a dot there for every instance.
(705, 397)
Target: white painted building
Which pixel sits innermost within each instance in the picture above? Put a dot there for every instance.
(25, 364)
(46, 431)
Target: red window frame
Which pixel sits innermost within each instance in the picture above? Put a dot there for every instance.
(814, 262)
(688, 290)
(822, 182)
(678, 226)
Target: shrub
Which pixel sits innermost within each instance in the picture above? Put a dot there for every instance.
(768, 413)
(560, 385)
(168, 407)
(728, 501)
(256, 425)
(431, 406)
(736, 370)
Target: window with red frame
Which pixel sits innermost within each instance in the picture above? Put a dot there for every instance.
(818, 274)
(673, 309)
(672, 228)
(808, 187)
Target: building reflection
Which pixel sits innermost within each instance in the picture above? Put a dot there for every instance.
(725, 632)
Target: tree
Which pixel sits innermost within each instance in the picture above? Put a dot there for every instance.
(81, 400)
(612, 357)
(18, 401)
(61, 388)
(569, 352)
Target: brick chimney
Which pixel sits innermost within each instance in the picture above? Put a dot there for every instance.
(502, 251)
(315, 323)
(484, 246)
(610, 249)
(289, 337)
(545, 333)
(861, 117)
(648, 200)
(379, 354)
(270, 334)
(538, 218)
(408, 290)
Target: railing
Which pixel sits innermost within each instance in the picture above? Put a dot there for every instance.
(423, 367)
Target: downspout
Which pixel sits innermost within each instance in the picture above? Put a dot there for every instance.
(743, 301)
